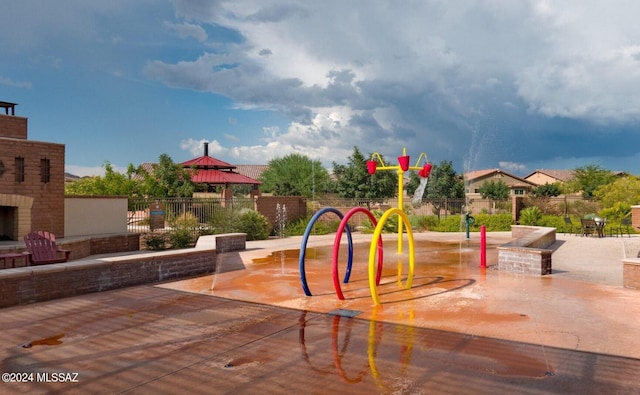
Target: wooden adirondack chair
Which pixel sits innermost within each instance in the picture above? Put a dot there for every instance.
(42, 247)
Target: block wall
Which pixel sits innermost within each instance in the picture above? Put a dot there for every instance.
(41, 283)
(267, 206)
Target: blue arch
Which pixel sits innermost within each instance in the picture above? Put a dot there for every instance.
(305, 239)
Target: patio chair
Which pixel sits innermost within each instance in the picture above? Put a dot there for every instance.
(43, 250)
(625, 227)
(589, 227)
(568, 224)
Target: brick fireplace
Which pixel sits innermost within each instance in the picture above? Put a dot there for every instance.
(15, 216)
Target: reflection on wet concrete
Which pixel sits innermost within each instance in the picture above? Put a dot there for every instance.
(457, 330)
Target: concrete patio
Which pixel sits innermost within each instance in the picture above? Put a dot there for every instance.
(459, 329)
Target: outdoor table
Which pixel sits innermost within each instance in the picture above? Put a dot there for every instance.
(12, 256)
(600, 223)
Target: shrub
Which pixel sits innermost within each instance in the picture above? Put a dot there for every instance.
(254, 224)
(390, 226)
(297, 228)
(530, 216)
(224, 221)
(181, 237)
(155, 241)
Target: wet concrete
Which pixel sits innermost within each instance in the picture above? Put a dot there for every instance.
(459, 329)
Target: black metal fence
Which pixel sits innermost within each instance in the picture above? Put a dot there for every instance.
(162, 215)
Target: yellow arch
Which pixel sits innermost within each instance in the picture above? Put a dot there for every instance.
(374, 245)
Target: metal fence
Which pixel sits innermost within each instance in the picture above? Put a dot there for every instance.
(162, 215)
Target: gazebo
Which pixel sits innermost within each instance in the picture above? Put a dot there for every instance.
(213, 172)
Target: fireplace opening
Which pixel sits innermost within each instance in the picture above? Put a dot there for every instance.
(8, 223)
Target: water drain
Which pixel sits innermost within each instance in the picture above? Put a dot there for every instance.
(345, 312)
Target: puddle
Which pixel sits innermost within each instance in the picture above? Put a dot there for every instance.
(48, 341)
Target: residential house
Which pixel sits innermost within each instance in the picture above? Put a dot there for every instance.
(545, 176)
(475, 179)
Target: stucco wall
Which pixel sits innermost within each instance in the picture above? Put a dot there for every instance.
(93, 215)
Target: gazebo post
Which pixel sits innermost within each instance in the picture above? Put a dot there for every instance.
(227, 196)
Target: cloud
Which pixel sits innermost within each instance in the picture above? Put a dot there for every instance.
(188, 30)
(17, 84)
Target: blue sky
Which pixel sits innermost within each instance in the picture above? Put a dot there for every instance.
(519, 85)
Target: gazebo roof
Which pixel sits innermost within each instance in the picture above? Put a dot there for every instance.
(207, 162)
(213, 176)
(208, 170)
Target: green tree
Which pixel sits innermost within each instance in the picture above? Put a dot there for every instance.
(622, 190)
(354, 181)
(587, 179)
(167, 179)
(547, 190)
(494, 190)
(113, 183)
(295, 175)
(443, 184)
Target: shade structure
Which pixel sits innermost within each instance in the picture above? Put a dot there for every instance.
(214, 176)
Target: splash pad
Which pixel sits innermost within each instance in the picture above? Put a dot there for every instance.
(376, 241)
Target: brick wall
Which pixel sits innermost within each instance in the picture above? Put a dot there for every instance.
(46, 201)
(525, 260)
(82, 247)
(40, 283)
(527, 253)
(13, 127)
(267, 206)
(631, 273)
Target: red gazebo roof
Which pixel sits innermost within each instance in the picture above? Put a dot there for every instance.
(207, 162)
(214, 176)
(208, 170)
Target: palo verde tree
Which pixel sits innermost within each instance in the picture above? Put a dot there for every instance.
(617, 198)
(295, 175)
(353, 181)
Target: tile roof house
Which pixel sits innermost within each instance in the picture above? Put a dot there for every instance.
(475, 179)
(546, 176)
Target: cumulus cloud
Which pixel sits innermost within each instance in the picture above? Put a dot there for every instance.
(500, 83)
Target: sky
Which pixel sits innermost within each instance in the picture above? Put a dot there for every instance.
(516, 85)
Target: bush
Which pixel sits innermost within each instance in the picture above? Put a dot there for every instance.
(155, 241)
(390, 226)
(530, 216)
(297, 228)
(184, 228)
(254, 224)
(181, 238)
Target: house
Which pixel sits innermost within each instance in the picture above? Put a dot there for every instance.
(542, 176)
(31, 180)
(475, 179)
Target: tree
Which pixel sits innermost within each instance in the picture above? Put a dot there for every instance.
(547, 190)
(295, 175)
(167, 179)
(494, 190)
(443, 183)
(623, 190)
(588, 178)
(113, 183)
(541, 198)
(354, 181)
